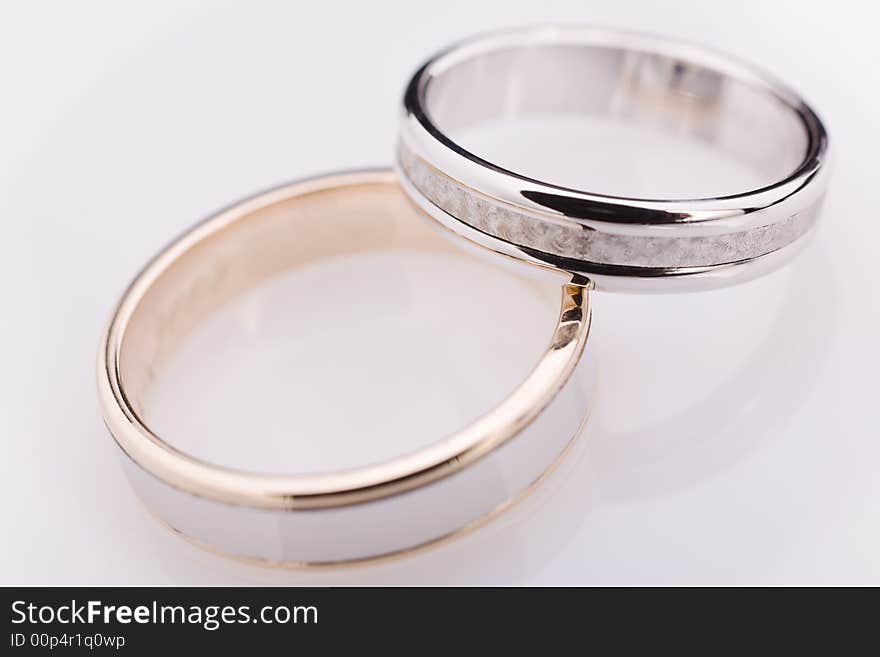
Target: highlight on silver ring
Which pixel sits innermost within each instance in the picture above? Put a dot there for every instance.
(619, 242)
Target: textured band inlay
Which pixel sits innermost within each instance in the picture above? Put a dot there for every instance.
(579, 242)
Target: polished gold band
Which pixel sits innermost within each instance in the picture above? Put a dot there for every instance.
(257, 238)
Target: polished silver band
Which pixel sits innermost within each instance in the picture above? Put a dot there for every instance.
(618, 242)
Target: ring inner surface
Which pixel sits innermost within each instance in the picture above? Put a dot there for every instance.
(250, 246)
(616, 121)
(260, 239)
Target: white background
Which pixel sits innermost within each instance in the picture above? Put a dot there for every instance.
(734, 438)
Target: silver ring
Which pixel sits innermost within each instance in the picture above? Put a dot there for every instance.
(620, 243)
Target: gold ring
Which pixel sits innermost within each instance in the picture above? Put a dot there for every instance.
(344, 515)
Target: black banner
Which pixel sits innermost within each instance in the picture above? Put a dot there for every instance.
(61, 620)
(546, 621)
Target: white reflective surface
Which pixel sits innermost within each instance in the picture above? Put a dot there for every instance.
(611, 156)
(735, 433)
(403, 370)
